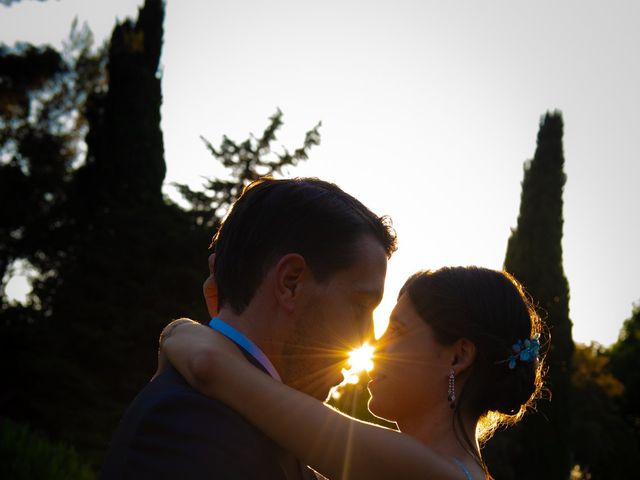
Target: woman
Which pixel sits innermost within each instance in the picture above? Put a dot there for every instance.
(460, 358)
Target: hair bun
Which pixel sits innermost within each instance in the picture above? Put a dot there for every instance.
(515, 389)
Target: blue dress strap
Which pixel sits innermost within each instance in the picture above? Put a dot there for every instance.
(464, 468)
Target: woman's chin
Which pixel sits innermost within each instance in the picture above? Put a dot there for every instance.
(377, 409)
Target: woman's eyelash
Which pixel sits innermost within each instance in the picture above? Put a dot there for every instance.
(396, 328)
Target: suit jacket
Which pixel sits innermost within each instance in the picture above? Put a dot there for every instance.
(172, 431)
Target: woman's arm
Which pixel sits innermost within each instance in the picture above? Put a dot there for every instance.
(336, 445)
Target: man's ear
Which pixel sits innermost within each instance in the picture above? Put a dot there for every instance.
(289, 274)
(464, 354)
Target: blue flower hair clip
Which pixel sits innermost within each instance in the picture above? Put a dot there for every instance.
(525, 350)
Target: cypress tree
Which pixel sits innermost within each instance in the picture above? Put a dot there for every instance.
(540, 446)
(126, 152)
(127, 262)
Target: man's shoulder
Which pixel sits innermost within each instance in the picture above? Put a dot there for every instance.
(171, 389)
(173, 399)
(171, 428)
(170, 399)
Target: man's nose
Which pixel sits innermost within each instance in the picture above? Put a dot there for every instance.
(366, 334)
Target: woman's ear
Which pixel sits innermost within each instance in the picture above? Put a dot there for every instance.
(289, 273)
(464, 354)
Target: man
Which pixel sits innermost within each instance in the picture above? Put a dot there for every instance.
(299, 268)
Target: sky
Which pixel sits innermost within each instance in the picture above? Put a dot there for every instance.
(429, 110)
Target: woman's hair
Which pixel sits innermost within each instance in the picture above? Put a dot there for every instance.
(491, 309)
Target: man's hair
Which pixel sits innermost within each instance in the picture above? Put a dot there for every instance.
(272, 218)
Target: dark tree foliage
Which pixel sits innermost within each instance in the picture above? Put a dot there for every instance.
(41, 93)
(603, 443)
(624, 361)
(246, 161)
(42, 96)
(534, 257)
(27, 455)
(114, 262)
(25, 69)
(82, 159)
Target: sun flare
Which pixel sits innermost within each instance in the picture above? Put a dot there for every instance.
(361, 359)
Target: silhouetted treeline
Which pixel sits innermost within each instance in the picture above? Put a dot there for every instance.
(113, 259)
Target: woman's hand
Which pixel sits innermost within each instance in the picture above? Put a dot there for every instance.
(163, 362)
(201, 355)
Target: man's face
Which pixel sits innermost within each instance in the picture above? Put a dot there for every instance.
(335, 318)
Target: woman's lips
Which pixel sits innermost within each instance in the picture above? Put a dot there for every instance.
(376, 377)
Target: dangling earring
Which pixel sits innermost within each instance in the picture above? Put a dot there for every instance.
(451, 397)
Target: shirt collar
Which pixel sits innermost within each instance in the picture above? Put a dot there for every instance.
(247, 345)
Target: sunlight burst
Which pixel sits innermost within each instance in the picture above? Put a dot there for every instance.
(361, 359)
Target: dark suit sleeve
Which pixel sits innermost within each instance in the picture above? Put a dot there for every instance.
(175, 432)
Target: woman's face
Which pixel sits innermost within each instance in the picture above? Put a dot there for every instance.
(411, 368)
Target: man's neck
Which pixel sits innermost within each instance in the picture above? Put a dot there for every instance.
(254, 324)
